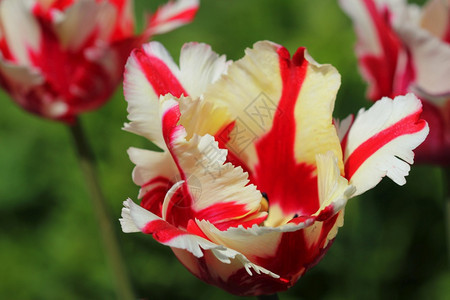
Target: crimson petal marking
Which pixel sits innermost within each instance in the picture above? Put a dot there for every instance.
(381, 140)
(276, 178)
(172, 15)
(159, 69)
(142, 89)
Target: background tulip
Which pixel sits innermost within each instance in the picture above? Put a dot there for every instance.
(61, 58)
(405, 48)
(251, 184)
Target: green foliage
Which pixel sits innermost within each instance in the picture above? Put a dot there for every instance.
(391, 247)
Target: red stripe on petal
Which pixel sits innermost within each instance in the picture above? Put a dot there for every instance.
(159, 74)
(407, 125)
(193, 228)
(223, 137)
(184, 16)
(296, 254)
(288, 183)
(381, 70)
(162, 231)
(228, 214)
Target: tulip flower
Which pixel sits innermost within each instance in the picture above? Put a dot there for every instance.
(403, 48)
(253, 175)
(61, 58)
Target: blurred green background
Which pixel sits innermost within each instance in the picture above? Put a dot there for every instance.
(391, 247)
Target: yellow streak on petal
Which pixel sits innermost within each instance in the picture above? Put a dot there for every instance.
(201, 117)
(313, 113)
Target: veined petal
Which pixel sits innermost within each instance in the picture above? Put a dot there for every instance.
(381, 140)
(172, 15)
(20, 29)
(285, 122)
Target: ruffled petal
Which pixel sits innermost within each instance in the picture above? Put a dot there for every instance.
(210, 261)
(225, 196)
(381, 140)
(200, 66)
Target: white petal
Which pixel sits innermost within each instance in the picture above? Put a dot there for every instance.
(200, 66)
(381, 140)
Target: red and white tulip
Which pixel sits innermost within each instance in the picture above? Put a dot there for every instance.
(405, 48)
(250, 187)
(59, 58)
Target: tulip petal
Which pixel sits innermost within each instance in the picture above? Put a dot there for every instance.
(20, 30)
(172, 15)
(136, 219)
(381, 140)
(282, 109)
(142, 89)
(379, 50)
(435, 19)
(200, 66)
(155, 172)
(431, 60)
(75, 25)
(151, 72)
(289, 250)
(226, 197)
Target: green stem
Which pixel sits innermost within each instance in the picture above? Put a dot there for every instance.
(446, 183)
(268, 297)
(110, 242)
